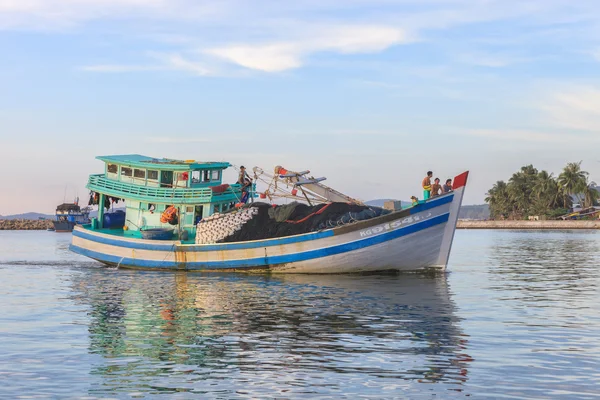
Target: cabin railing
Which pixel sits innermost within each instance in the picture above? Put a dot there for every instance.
(99, 183)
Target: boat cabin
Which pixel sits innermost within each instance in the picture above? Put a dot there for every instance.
(71, 212)
(149, 186)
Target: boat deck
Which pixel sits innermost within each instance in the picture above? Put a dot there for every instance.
(128, 234)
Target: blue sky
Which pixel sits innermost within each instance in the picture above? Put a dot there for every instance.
(370, 93)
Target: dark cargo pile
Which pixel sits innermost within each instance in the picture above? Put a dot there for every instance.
(296, 218)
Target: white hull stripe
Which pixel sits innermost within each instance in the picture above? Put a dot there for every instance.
(267, 261)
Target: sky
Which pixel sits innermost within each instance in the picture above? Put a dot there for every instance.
(368, 93)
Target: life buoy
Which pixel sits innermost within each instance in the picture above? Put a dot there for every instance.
(169, 216)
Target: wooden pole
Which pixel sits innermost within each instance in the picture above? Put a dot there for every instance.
(305, 196)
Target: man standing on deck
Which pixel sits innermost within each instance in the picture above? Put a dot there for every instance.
(427, 185)
(244, 180)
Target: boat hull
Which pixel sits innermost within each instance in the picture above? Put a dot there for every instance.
(63, 226)
(408, 240)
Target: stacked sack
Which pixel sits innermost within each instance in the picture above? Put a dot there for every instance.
(217, 227)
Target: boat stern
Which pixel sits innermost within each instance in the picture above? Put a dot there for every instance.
(113, 248)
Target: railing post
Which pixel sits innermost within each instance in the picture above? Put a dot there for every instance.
(101, 210)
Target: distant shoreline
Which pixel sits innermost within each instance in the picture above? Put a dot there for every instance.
(556, 225)
(24, 225)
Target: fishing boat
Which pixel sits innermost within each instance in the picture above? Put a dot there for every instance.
(68, 215)
(179, 215)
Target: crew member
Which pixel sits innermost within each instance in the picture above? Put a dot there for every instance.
(436, 188)
(427, 185)
(244, 180)
(447, 186)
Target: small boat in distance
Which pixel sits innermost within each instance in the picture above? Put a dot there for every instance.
(68, 215)
(180, 216)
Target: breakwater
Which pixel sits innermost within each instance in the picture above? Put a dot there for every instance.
(24, 225)
(592, 224)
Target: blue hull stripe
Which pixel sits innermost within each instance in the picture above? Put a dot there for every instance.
(266, 261)
(432, 204)
(153, 245)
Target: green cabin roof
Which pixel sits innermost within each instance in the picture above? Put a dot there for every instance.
(165, 164)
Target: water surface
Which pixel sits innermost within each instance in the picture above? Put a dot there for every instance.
(517, 316)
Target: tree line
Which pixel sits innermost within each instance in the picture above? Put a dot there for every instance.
(532, 192)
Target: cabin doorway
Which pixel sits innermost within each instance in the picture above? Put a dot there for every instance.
(198, 210)
(166, 178)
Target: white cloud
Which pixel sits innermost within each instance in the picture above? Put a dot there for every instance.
(274, 36)
(116, 68)
(492, 60)
(574, 108)
(268, 58)
(167, 62)
(519, 135)
(47, 14)
(285, 55)
(178, 62)
(177, 140)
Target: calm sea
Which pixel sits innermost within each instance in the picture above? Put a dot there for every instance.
(516, 317)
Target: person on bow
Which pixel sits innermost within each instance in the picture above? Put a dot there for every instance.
(427, 185)
(447, 186)
(436, 188)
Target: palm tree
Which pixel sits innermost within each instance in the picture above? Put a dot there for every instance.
(564, 199)
(573, 180)
(499, 200)
(590, 195)
(545, 193)
(531, 192)
(520, 188)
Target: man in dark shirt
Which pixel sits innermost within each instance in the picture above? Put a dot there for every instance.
(447, 186)
(244, 180)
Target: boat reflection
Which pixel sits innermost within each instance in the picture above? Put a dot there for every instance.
(147, 323)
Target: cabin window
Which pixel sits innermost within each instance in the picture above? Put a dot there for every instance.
(206, 176)
(189, 209)
(125, 171)
(139, 173)
(214, 176)
(196, 177)
(153, 175)
(112, 168)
